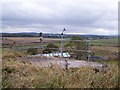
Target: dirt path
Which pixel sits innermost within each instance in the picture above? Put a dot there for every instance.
(47, 61)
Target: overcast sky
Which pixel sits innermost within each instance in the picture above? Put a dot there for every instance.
(51, 16)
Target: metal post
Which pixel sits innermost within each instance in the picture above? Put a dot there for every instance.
(62, 43)
(88, 44)
(41, 42)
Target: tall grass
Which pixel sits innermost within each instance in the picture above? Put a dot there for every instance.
(21, 73)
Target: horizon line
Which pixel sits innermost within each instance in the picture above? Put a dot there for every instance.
(65, 33)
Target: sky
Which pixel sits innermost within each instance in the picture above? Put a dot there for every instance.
(52, 16)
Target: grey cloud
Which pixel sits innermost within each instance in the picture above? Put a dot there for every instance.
(51, 16)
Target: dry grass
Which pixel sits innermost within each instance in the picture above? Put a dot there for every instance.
(27, 41)
(22, 38)
(104, 48)
(31, 39)
(110, 52)
(21, 73)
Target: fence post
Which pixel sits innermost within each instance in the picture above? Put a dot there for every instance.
(88, 49)
(41, 38)
(62, 34)
(62, 45)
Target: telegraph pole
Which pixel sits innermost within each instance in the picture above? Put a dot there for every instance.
(62, 43)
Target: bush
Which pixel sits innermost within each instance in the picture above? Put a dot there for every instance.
(77, 45)
(51, 48)
(32, 51)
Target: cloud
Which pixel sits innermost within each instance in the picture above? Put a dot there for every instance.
(78, 16)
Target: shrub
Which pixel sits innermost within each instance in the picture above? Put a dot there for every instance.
(32, 51)
(50, 48)
(77, 45)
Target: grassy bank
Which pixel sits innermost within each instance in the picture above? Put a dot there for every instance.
(19, 72)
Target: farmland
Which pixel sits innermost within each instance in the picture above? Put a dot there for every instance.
(97, 42)
(99, 46)
(30, 42)
(105, 42)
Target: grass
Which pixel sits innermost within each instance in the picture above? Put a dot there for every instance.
(51, 40)
(111, 52)
(105, 42)
(111, 41)
(20, 73)
(99, 42)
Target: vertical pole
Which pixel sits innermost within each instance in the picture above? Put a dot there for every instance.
(62, 42)
(62, 45)
(41, 42)
(88, 50)
(42, 47)
(86, 46)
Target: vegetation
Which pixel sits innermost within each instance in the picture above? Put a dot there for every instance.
(18, 72)
(50, 48)
(32, 51)
(77, 45)
(106, 51)
(105, 42)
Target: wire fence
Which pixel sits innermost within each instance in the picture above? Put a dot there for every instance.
(66, 48)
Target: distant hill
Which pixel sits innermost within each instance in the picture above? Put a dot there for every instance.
(51, 35)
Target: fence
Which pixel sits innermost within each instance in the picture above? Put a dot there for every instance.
(77, 49)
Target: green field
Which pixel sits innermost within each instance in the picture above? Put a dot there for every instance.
(105, 42)
(98, 42)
